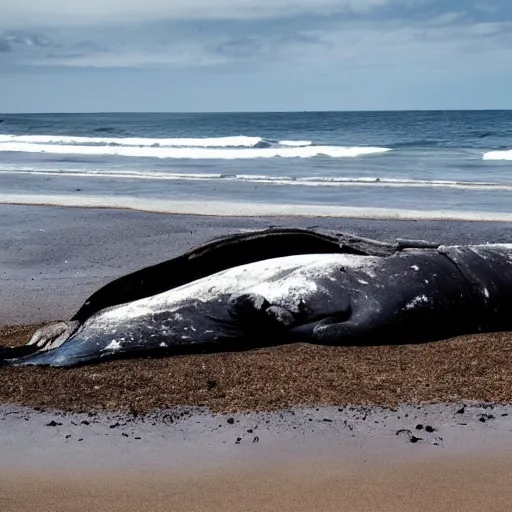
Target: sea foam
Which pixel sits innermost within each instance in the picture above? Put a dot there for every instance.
(498, 155)
(295, 143)
(193, 152)
(225, 208)
(236, 141)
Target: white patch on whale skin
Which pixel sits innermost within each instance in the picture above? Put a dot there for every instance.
(113, 345)
(415, 267)
(286, 292)
(486, 293)
(362, 281)
(417, 300)
(282, 281)
(494, 246)
(479, 246)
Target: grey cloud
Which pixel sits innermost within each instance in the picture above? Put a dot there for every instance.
(29, 39)
(88, 46)
(487, 7)
(5, 47)
(397, 37)
(63, 12)
(239, 48)
(29, 48)
(269, 47)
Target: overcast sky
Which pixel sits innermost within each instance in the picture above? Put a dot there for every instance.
(232, 55)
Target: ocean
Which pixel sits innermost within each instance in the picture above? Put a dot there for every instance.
(424, 164)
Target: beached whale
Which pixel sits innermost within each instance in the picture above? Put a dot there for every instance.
(282, 286)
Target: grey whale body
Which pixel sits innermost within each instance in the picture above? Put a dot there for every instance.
(283, 286)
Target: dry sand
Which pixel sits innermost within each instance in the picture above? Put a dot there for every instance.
(477, 367)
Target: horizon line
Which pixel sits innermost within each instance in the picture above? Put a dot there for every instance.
(163, 112)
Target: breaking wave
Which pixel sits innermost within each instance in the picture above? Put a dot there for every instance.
(295, 143)
(237, 141)
(184, 152)
(498, 155)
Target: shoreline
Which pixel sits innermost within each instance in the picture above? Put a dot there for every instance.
(216, 208)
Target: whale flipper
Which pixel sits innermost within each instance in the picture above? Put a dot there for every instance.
(52, 335)
(254, 311)
(333, 331)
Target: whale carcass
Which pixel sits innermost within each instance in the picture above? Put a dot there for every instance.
(282, 286)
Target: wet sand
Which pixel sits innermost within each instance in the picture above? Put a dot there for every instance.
(358, 459)
(469, 485)
(320, 458)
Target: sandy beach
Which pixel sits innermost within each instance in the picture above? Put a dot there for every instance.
(335, 426)
(468, 484)
(438, 457)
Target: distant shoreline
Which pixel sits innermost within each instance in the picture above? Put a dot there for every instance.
(252, 112)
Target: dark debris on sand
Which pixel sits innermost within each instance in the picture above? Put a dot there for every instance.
(477, 367)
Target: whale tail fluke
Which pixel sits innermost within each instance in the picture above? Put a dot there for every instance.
(9, 354)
